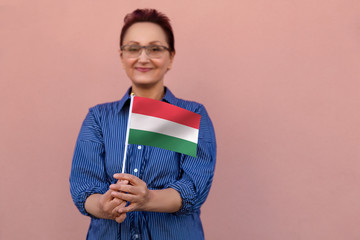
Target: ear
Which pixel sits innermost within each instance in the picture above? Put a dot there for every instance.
(122, 59)
(172, 56)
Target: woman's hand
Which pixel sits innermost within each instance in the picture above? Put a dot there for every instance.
(107, 204)
(103, 205)
(136, 192)
(141, 198)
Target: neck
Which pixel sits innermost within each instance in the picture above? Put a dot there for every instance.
(156, 93)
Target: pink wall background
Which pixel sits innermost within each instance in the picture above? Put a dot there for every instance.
(280, 80)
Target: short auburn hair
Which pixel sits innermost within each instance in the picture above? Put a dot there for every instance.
(153, 16)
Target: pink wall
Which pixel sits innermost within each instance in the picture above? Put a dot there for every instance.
(280, 79)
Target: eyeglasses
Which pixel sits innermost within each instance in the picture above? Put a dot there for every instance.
(152, 51)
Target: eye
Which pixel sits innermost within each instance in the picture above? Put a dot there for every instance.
(155, 48)
(133, 48)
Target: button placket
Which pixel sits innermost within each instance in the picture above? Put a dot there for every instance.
(137, 163)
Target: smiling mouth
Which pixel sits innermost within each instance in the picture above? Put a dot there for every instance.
(140, 69)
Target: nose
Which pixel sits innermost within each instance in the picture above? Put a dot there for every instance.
(143, 57)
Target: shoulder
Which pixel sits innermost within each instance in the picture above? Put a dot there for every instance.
(105, 108)
(104, 111)
(189, 105)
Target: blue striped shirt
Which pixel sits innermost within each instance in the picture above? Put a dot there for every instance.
(99, 153)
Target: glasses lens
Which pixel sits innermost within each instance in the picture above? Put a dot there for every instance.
(152, 51)
(155, 51)
(132, 51)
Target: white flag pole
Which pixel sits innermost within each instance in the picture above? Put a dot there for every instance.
(127, 132)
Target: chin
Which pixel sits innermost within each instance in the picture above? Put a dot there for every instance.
(145, 81)
(145, 84)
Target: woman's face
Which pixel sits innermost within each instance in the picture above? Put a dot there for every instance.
(143, 71)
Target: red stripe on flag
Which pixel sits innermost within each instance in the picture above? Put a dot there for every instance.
(155, 108)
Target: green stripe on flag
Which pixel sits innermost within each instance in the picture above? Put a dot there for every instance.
(162, 141)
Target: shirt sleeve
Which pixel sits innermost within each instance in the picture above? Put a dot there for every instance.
(88, 171)
(197, 173)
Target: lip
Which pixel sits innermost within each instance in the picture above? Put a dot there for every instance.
(142, 69)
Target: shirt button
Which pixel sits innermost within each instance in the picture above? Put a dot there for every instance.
(139, 147)
(135, 170)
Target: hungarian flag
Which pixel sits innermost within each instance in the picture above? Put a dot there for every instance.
(160, 124)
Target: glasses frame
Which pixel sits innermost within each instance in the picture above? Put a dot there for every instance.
(146, 49)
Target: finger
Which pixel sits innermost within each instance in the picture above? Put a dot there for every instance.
(125, 196)
(114, 205)
(107, 194)
(129, 177)
(115, 186)
(106, 197)
(115, 202)
(123, 188)
(108, 205)
(115, 212)
(132, 207)
(120, 218)
(123, 182)
(120, 205)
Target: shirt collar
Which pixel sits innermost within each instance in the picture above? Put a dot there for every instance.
(168, 97)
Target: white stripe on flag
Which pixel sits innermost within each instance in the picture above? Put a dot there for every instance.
(159, 125)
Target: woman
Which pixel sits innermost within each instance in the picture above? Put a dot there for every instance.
(161, 192)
